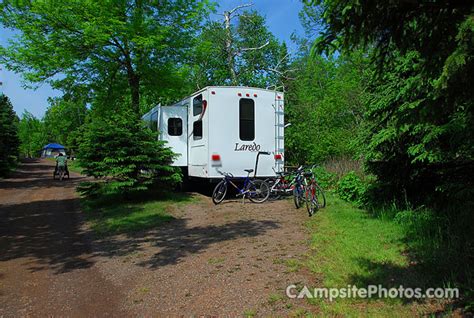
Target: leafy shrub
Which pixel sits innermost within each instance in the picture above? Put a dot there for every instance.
(124, 156)
(352, 188)
(326, 179)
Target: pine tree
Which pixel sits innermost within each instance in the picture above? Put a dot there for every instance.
(124, 156)
(8, 136)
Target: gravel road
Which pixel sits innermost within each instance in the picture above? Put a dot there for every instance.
(229, 260)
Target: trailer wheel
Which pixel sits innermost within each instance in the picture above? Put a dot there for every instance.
(219, 192)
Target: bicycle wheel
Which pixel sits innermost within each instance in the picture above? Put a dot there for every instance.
(274, 189)
(258, 191)
(219, 192)
(61, 174)
(298, 192)
(320, 197)
(311, 200)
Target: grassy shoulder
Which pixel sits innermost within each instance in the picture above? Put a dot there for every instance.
(73, 165)
(352, 248)
(112, 216)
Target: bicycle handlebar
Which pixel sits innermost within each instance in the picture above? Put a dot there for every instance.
(227, 174)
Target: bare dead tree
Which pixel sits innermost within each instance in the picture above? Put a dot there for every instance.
(284, 74)
(231, 51)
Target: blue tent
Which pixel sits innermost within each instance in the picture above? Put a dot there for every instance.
(51, 150)
(54, 146)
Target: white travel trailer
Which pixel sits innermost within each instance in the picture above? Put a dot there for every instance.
(222, 128)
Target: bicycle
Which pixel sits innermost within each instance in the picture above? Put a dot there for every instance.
(299, 188)
(314, 194)
(282, 185)
(255, 190)
(61, 172)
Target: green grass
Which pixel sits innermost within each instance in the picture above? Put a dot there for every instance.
(214, 261)
(73, 165)
(249, 313)
(112, 216)
(274, 298)
(349, 247)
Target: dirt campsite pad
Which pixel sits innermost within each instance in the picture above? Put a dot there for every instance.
(233, 259)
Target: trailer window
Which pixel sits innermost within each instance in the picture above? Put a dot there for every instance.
(197, 130)
(154, 121)
(175, 126)
(197, 105)
(246, 119)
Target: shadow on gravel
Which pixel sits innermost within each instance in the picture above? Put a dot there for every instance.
(176, 241)
(45, 230)
(49, 232)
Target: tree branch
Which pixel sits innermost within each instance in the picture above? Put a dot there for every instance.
(239, 7)
(254, 48)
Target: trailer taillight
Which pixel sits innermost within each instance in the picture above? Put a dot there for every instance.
(216, 157)
(254, 95)
(248, 95)
(278, 156)
(213, 93)
(239, 94)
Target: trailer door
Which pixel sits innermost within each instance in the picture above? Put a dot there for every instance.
(198, 136)
(173, 124)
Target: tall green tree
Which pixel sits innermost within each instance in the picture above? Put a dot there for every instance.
(9, 141)
(33, 135)
(325, 105)
(421, 114)
(121, 52)
(63, 119)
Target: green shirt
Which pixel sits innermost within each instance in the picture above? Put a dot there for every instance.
(61, 160)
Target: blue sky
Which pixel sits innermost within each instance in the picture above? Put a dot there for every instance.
(281, 16)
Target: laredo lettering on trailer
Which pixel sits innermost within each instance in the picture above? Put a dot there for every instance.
(247, 147)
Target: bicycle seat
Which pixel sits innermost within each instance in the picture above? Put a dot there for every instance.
(248, 170)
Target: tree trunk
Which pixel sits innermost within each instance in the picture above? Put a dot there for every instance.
(229, 51)
(133, 82)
